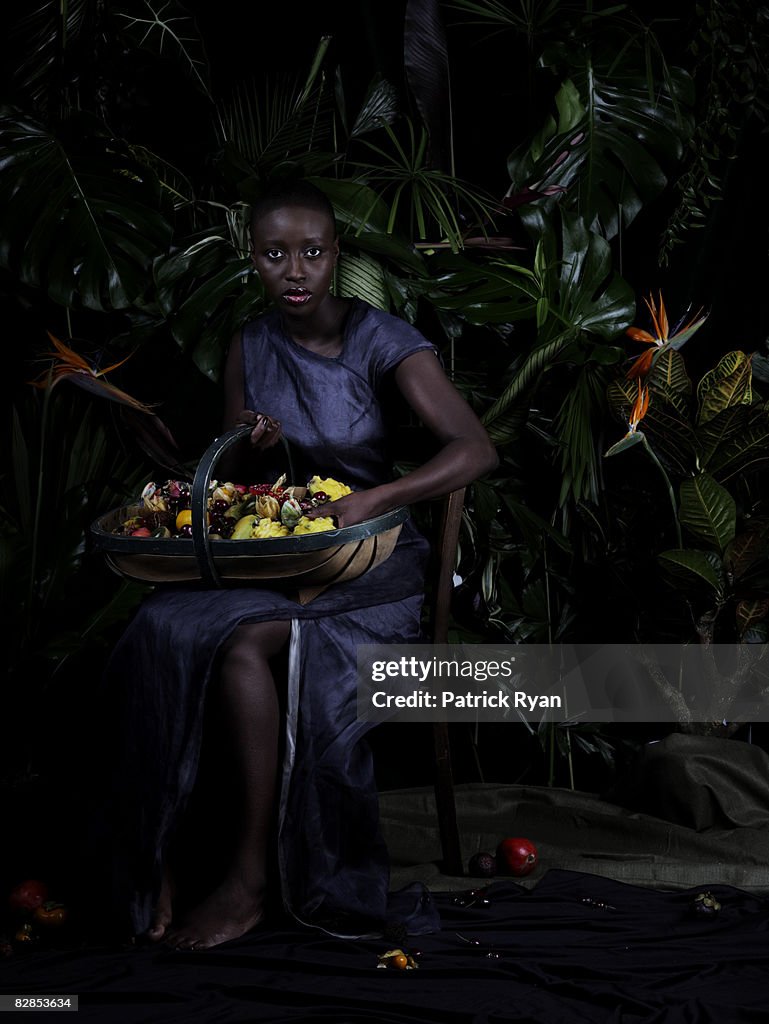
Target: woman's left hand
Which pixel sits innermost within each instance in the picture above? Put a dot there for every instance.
(351, 509)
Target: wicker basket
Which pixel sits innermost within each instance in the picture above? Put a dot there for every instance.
(306, 564)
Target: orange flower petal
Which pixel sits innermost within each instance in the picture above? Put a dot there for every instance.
(663, 319)
(652, 307)
(640, 366)
(637, 334)
(68, 354)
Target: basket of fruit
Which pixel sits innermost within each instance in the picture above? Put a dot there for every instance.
(226, 534)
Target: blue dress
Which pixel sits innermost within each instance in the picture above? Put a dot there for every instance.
(332, 861)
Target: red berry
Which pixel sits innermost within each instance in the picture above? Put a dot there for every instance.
(517, 856)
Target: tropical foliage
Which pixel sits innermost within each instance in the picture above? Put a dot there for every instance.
(119, 241)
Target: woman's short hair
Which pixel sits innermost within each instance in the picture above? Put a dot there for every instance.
(292, 193)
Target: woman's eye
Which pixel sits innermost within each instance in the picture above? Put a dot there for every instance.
(313, 252)
(273, 254)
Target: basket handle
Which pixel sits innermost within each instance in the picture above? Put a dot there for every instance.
(198, 499)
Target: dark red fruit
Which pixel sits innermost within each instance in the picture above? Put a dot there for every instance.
(28, 895)
(517, 856)
(482, 865)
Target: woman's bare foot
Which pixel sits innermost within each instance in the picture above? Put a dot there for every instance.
(163, 915)
(231, 910)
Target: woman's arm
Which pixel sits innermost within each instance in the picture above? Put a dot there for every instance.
(466, 451)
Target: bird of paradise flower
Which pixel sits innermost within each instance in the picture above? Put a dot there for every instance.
(69, 365)
(150, 431)
(662, 338)
(638, 411)
(635, 436)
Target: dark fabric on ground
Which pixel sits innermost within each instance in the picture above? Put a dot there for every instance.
(645, 957)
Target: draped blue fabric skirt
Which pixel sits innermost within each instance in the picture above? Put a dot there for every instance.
(333, 863)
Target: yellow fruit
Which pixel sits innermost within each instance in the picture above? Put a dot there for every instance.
(269, 528)
(244, 528)
(184, 518)
(333, 488)
(306, 525)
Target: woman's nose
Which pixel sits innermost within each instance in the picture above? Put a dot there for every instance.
(294, 270)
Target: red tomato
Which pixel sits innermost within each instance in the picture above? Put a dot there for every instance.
(517, 856)
(28, 895)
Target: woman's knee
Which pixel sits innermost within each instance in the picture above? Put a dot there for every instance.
(255, 641)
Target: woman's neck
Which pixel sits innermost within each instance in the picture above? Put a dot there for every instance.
(324, 330)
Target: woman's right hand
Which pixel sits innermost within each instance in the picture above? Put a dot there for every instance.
(266, 431)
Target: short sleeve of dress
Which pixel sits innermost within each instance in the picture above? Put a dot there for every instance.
(389, 341)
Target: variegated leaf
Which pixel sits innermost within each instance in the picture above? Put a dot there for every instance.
(708, 510)
(727, 384)
(747, 548)
(669, 379)
(749, 612)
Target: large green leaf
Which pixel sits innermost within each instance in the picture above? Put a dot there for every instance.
(47, 30)
(695, 565)
(609, 144)
(668, 378)
(361, 276)
(748, 548)
(280, 119)
(726, 385)
(81, 222)
(426, 62)
(726, 426)
(584, 296)
(708, 510)
(205, 293)
(744, 449)
(672, 438)
(165, 28)
(590, 296)
(379, 106)
(362, 215)
(495, 292)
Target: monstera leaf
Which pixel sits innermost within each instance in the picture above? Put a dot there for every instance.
(581, 296)
(609, 143)
(497, 292)
(82, 220)
(205, 292)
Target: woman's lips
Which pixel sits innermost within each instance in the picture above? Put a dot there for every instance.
(297, 298)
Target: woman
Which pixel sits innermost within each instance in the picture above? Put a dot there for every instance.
(315, 368)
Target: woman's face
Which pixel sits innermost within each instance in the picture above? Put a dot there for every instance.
(295, 251)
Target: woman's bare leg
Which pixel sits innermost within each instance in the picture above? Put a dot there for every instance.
(250, 715)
